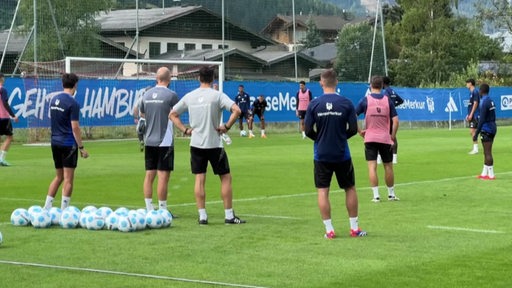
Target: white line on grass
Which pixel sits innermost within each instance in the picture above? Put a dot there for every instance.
(127, 274)
(271, 216)
(465, 229)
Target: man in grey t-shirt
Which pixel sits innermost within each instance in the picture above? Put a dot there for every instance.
(156, 104)
(205, 106)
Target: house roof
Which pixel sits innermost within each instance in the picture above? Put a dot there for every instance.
(16, 42)
(272, 57)
(325, 52)
(208, 55)
(322, 22)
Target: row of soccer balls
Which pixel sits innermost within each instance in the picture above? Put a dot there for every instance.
(92, 218)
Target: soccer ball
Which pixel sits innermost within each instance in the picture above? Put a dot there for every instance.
(154, 219)
(40, 218)
(34, 207)
(166, 217)
(89, 208)
(95, 221)
(20, 217)
(122, 211)
(112, 221)
(243, 133)
(82, 221)
(138, 219)
(55, 213)
(104, 212)
(70, 217)
(126, 224)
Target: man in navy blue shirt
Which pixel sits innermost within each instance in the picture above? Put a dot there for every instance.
(473, 112)
(487, 129)
(66, 140)
(243, 101)
(335, 120)
(397, 101)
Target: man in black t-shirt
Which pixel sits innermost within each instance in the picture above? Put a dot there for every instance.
(258, 108)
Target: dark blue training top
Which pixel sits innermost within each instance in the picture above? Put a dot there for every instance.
(243, 101)
(474, 97)
(395, 98)
(63, 110)
(335, 120)
(487, 122)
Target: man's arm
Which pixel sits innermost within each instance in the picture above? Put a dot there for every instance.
(5, 101)
(235, 114)
(352, 122)
(483, 115)
(78, 138)
(309, 123)
(397, 99)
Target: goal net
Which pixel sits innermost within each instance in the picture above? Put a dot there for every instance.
(108, 90)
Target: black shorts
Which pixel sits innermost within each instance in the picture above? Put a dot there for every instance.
(372, 149)
(344, 174)
(259, 113)
(487, 137)
(245, 114)
(217, 157)
(302, 114)
(6, 127)
(65, 156)
(159, 158)
(473, 123)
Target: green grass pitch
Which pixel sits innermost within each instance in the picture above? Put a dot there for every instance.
(449, 229)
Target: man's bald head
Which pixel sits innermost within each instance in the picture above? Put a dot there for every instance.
(163, 76)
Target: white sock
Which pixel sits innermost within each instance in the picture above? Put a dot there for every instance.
(2, 155)
(490, 170)
(263, 132)
(65, 202)
(328, 225)
(229, 213)
(375, 191)
(203, 215)
(162, 204)
(391, 191)
(475, 147)
(395, 158)
(149, 204)
(485, 170)
(250, 132)
(354, 223)
(303, 134)
(48, 203)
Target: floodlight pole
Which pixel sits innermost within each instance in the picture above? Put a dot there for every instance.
(35, 37)
(373, 42)
(294, 41)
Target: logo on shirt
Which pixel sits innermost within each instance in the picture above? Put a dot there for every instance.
(506, 102)
(328, 106)
(154, 95)
(57, 102)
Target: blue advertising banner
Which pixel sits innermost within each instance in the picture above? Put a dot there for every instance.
(110, 103)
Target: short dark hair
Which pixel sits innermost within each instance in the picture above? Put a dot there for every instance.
(471, 80)
(69, 80)
(386, 80)
(376, 82)
(302, 82)
(329, 78)
(206, 74)
(484, 89)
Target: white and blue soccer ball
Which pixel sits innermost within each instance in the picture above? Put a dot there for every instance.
(138, 219)
(104, 212)
(70, 217)
(55, 213)
(112, 221)
(40, 218)
(90, 208)
(154, 219)
(122, 211)
(82, 221)
(34, 207)
(166, 217)
(243, 133)
(20, 217)
(95, 221)
(126, 224)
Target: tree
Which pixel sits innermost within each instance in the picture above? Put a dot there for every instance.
(64, 28)
(354, 47)
(434, 44)
(497, 12)
(313, 37)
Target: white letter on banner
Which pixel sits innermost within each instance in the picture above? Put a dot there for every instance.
(16, 93)
(97, 108)
(123, 96)
(28, 112)
(87, 105)
(275, 104)
(284, 101)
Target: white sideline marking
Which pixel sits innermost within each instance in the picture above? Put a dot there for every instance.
(465, 229)
(127, 274)
(271, 216)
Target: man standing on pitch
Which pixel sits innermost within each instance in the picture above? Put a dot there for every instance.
(6, 114)
(380, 118)
(205, 106)
(66, 140)
(335, 120)
(473, 112)
(487, 129)
(155, 106)
(243, 100)
(397, 101)
(304, 96)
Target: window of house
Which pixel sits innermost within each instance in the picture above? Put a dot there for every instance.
(190, 46)
(206, 46)
(154, 49)
(172, 47)
(225, 46)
